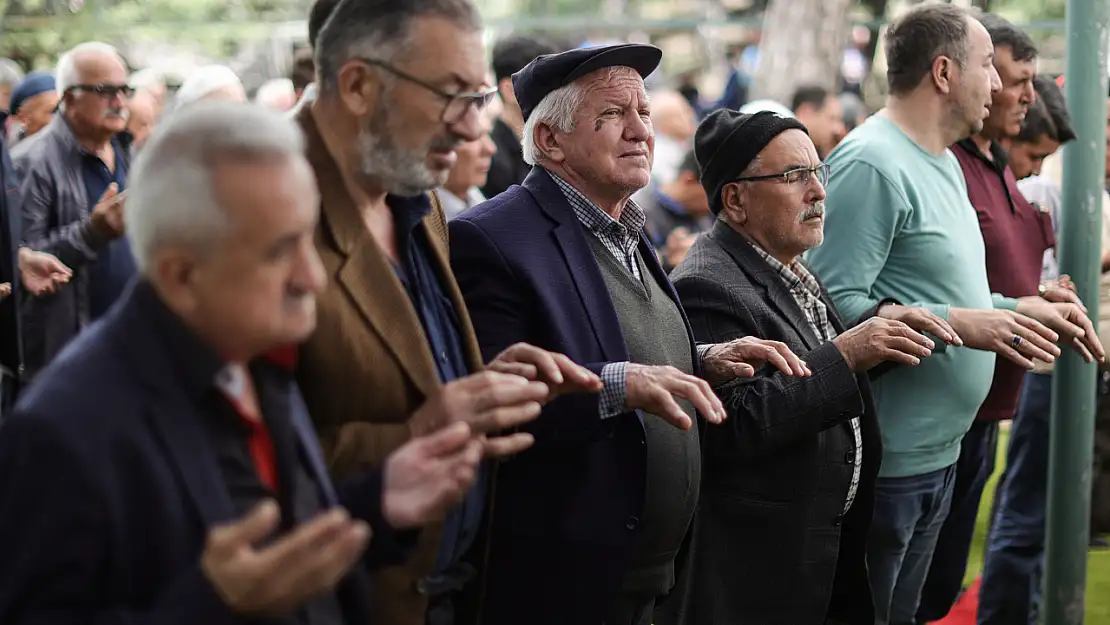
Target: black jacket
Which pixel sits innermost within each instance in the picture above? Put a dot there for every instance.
(772, 545)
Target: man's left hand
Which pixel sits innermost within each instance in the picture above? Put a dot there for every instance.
(921, 320)
(1069, 321)
(42, 273)
(739, 358)
(1061, 291)
(560, 373)
(428, 475)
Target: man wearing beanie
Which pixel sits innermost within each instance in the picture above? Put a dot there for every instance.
(798, 457)
(33, 102)
(599, 508)
(899, 224)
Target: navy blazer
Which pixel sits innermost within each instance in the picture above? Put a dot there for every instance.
(566, 510)
(108, 485)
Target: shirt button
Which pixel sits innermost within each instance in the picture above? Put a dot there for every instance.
(632, 522)
(850, 457)
(421, 586)
(838, 521)
(443, 357)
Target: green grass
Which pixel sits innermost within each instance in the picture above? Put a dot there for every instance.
(1098, 565)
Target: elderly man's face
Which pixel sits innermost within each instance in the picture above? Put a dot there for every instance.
(259, 284)
(785, 218)
(37, 112)
(102, 112)
(411, 131)
(612, 143)
(142, 118)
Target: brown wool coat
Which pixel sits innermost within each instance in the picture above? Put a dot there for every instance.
(368, 367)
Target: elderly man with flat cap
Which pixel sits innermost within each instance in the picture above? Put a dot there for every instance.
(788, 480)
(588, 523)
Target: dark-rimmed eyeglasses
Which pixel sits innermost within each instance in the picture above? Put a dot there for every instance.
(457, 104)
(105, 91)
(800, 176)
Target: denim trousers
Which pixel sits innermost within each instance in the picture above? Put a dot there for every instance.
(978, 452)
(909, 512)
(1011, 588)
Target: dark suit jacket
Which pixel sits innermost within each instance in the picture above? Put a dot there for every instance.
(108, 485)
(568, 508)
(11, 231)
(368, 366)
(771, 544)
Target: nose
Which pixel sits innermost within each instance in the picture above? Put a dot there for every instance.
(308, 275)
(469, 128)
(489, 148)
(1029, 94)
(996, 80)
(816, 191)
(638, 129)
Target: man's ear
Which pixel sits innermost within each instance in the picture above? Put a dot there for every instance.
(547, 140)
(941, 74)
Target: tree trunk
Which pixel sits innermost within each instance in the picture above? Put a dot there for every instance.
(802, 44)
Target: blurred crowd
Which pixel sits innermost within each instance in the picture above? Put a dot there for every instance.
(425, 336)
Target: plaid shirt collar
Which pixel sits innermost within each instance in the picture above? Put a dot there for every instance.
(627, 229)
(796, 276)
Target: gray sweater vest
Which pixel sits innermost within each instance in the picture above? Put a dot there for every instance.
(654, 334)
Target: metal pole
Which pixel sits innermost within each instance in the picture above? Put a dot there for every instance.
(1073, 395)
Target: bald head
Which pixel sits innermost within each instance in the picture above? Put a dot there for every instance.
(672, 115)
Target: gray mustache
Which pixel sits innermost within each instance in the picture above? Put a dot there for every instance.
(816, 209)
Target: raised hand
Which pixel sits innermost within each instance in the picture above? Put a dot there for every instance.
(107, 214)
(740, 357)
(923, 321)
(1014, 336)
(276, 579)
(653, 389)
(427, 475)
(560, 373)
(42, 273)
(878, 340)
(1070, 321)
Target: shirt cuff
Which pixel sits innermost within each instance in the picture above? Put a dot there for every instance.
(611, 402)
(704, 348)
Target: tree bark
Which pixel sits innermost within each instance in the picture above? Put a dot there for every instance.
(802, 44)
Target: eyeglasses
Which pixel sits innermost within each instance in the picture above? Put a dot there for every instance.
(105, 91)
(458, 104)
(800, 176)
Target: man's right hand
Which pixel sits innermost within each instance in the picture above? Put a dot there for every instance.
(994, 330)
(107, 215)
(653, 389)
(879, 340)
(278, 578)
(489, 402)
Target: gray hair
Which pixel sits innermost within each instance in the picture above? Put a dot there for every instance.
(66, 74)
(11, 74)
(171, 200)
(379, 29)
(557, 110)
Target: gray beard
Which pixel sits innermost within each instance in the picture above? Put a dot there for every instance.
(402, 172)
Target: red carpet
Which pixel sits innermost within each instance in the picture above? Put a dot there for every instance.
(966, 608)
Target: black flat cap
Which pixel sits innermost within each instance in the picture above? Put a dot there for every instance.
(727, 141)
(549, 72)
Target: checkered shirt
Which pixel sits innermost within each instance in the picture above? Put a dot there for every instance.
(807, 293)
(620, 238)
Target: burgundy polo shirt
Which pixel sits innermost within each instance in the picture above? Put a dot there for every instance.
(1015, 234)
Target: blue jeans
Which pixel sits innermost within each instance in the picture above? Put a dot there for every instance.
(1011, 590)
(909, 512)
(946, 574)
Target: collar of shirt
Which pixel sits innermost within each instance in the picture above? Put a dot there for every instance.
(796, 275)
(199, 364)
(591, 216)
(998, 158)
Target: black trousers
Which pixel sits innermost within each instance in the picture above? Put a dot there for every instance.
(631, 610)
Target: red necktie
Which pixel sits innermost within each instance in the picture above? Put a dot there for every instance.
(232, 383)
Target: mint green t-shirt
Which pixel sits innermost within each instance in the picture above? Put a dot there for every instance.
(898, 224)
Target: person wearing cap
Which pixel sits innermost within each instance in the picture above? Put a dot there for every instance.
(898, 224)
(797, 457)
(33, 102)
(587, 525)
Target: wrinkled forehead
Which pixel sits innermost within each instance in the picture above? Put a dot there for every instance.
(613, 84)
(789, 150)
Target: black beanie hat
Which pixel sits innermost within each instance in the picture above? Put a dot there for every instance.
(727, 141)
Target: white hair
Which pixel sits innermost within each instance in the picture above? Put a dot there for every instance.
(11, 74)
(171, 199)
(277, 93)
(66, 76)
(557, 110)
(206, 81)
(144, 79)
